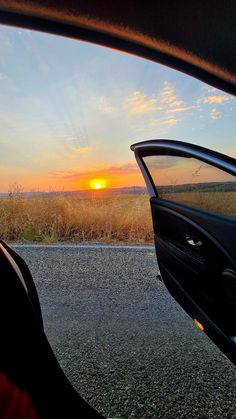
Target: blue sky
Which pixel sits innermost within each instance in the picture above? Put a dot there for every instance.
(70, 111)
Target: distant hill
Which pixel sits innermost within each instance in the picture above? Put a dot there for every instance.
(139, 190)
(129, 190)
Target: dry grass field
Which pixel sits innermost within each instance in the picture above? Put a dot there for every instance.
(219, 202)
(98, 218)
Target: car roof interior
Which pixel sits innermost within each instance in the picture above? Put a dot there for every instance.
(197, 38)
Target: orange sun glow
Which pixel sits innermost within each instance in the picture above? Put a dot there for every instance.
(98, 183)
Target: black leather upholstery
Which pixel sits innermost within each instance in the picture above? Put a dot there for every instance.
(26, 357)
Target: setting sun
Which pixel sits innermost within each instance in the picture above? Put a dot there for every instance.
(98, 183)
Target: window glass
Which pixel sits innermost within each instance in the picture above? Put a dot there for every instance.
(193, 182)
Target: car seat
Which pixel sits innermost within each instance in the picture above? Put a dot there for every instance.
(26, 358)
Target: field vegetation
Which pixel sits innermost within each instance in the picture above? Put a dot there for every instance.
(98, 217)
(60, 218)
(219, 202)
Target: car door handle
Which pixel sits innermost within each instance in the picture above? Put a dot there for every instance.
(193, 241)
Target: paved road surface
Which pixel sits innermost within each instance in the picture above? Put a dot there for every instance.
(122, 340)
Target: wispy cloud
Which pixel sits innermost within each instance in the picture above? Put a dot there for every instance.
(161, 107)
(168, 96)
(215, 114)
(169, 121)
(138, 103)
(210, 97)
(177, 110)
(209, 100)
(173, 106)
(125, 169)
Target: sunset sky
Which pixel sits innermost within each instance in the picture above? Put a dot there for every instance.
(70, 111)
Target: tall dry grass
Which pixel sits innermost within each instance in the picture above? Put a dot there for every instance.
(220, 202)
(48, 219)
(99, 218)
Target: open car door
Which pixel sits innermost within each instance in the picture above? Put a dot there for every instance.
(193, 203)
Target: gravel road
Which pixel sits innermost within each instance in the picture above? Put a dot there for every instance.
(122, 340)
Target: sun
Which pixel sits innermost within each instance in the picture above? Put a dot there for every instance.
(98, 183)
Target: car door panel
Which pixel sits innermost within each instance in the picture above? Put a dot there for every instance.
(196, 251)
(199, 271)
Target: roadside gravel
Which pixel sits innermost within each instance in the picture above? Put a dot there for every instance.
(122, 340)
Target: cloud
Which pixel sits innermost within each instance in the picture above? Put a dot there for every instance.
(213, 96)
(209, 100)
(215, 114)
(169, 97)
(177, 110)
(122, 170)
(162, 110)
(165, 103)
(138, 103)
(169, 121)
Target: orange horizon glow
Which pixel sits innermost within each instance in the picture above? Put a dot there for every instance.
(108, 180)
(82, 182)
